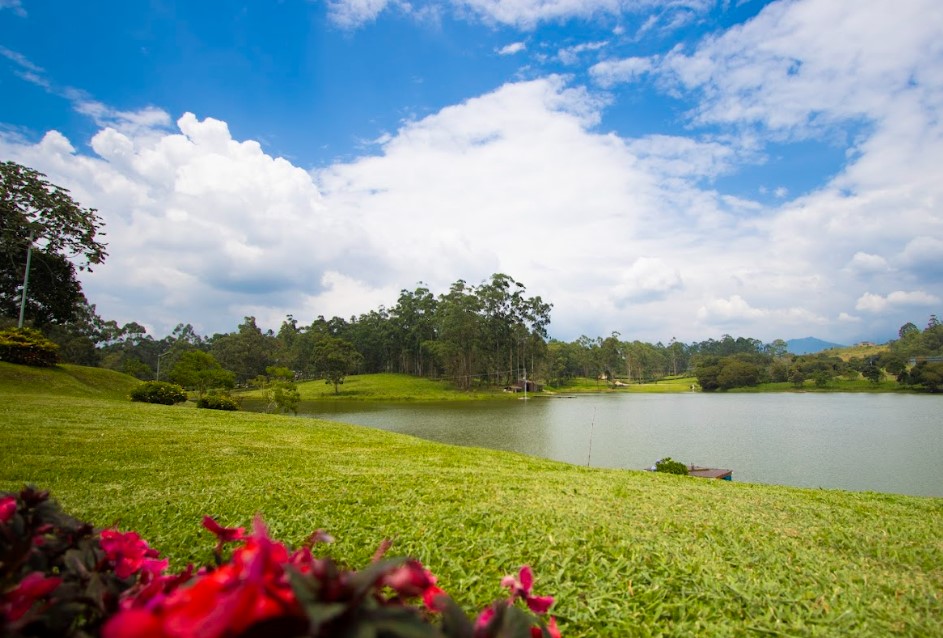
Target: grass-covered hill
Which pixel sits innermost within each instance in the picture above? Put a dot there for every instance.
(624, 553)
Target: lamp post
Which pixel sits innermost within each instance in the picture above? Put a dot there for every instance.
(29, 258)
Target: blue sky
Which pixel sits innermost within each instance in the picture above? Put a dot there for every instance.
(662, 169)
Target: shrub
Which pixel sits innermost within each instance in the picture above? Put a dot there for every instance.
(217, 402)
(27, 346)
(59, 577)
(159, 392)
(670, 466)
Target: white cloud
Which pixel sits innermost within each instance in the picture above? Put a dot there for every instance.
(608, 73)
(572, 54)
(870, 302)
(524, 14)
(511, 49)
(734, 308)
(801, 65)
(646, 279)
(866, 264)
(351, 14)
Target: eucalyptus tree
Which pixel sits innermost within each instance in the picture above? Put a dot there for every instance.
(413, 320)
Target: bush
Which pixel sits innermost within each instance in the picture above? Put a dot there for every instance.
(217, 402)
(60, 577)
(159, 392)
(28, 347)
(670, 466)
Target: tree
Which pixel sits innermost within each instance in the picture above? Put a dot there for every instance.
(41, 225)
(907, 330)
(928, 375)
(247, 352)
(278, 389)
(334, 359)
(201, 371)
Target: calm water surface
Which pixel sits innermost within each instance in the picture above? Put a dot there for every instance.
(880, 442)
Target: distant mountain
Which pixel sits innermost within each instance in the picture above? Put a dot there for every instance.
(809, 345)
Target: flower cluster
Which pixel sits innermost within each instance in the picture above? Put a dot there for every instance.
(114, 585)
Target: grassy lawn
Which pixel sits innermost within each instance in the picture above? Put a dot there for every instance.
(390, 387)
(586, 384)
(624, 553)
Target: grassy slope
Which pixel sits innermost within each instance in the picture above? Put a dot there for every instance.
(625, 553)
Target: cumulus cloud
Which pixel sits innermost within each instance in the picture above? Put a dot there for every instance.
(646, 279)
(870, 302)
(197, 223)
(866, 264)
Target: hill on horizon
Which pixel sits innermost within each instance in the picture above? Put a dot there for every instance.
(809, 345)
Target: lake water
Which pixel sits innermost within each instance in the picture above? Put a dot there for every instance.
(880, 442)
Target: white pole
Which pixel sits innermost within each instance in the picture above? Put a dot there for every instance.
(29, 257)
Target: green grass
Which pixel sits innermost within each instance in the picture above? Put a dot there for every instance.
(624, 553)
(586, 385)
(65, 380)
(391, 387)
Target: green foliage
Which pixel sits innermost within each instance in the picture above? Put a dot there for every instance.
(27, 346)
(200, 371)
(670, 466)
(278, 390)
(926, 375)
(872, 372)
(246, 352)
(916, 343)
(217, 402)
(160, 392)
(723, 373)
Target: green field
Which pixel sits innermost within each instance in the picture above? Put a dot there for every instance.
(624, 553)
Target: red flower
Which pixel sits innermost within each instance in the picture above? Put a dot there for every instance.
(552, 629)
(133, 623)
(7, 508)
(224, 534)
(130, 553)
(522, 586)
(430, 599)
(20, 600)
(250, 588)
(409, 579)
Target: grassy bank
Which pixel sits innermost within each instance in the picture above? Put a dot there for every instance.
(625, 553)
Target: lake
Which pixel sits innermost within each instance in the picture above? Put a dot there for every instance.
(879, 442)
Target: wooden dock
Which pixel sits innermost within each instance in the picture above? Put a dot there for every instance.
(710, 473)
